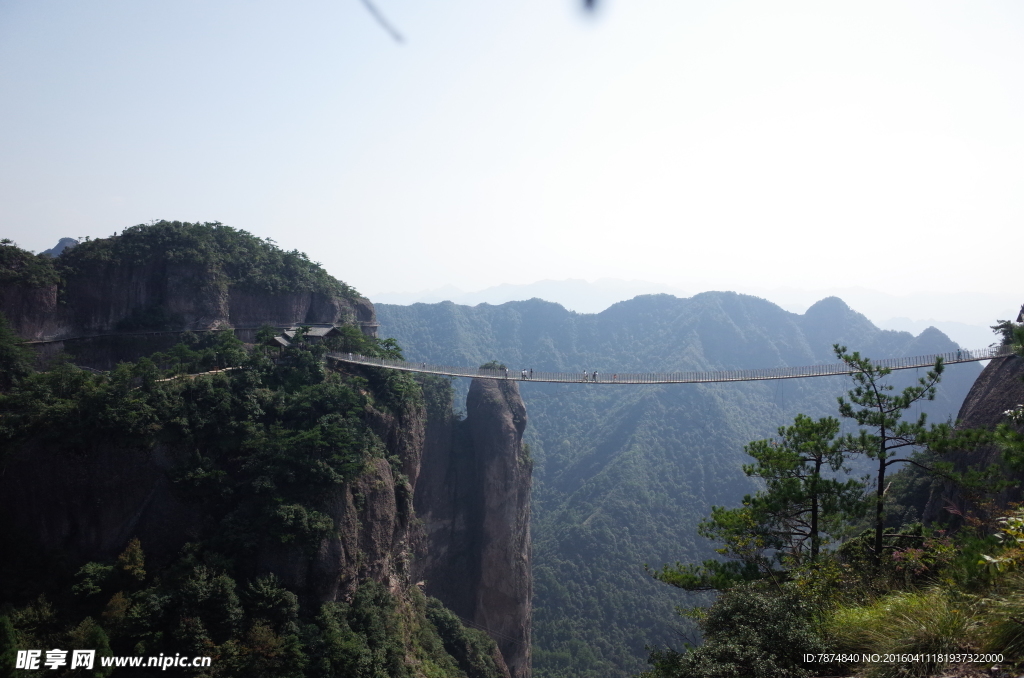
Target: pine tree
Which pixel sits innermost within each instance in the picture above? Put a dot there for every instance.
(873, 405)
(800, 502)
(802, 505)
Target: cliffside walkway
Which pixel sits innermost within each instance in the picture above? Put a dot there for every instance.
(828, 370)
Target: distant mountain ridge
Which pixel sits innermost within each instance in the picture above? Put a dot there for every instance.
(62, 244)
(577, 295)
(964, 316)
(544, 335)
(622, 475)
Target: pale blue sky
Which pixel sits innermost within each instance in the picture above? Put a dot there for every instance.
(704, 145)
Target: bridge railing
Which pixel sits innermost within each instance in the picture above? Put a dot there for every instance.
(823, 370)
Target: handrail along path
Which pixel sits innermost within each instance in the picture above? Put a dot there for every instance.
(824, 370)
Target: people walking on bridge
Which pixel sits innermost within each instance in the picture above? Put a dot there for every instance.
(494, 370)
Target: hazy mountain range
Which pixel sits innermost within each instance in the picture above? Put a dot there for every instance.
(964, 317)
(623, 474)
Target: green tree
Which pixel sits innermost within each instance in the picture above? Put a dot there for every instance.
(800, 504)
(791, 518)
(747, 632)
(89, 634)
(16, 358)
(1011, 334)
(8, 646)
(873, 405)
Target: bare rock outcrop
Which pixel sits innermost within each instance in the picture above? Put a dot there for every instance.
(1000, 387)
(471, 488)
(473, 495)
(172, 296)
(373, 515)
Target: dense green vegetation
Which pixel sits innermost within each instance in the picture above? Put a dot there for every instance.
(623, 475)
(747, 632)
(260, 447)
(235, 258)
(18, 267)
(16, 359)
(908, 593)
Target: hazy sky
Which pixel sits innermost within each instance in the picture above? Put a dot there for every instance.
(707, 145)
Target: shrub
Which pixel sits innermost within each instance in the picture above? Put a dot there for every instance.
(905, 623)
(1004, 632)
(749, 632)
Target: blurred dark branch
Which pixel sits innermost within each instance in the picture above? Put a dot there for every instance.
(372, 9)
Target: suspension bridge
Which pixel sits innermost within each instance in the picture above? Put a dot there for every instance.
(824, 370)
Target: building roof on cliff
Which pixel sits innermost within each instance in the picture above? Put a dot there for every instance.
(314, 331)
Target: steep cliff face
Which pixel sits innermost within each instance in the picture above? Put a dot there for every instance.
(128, 296)
(33, 311)
(999, 388)
(473, 496)
(234, 513)
(86, 507)
(469, 480)
(170, 276)
(169, 297)
(252, 309)
(373, 516)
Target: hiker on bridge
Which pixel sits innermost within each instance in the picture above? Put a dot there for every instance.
(497, 371)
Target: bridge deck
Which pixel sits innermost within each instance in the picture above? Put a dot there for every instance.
(825, 370)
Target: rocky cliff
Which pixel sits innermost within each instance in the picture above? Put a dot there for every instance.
(87, 506)
(469, 481)
(999, 388)
(162, 298)
(172, 276)
(68, 503)
(473, 496)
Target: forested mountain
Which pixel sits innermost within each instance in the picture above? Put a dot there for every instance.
(624, 473)
(246, 504)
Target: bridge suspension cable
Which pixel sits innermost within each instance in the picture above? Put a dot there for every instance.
(824, 370)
